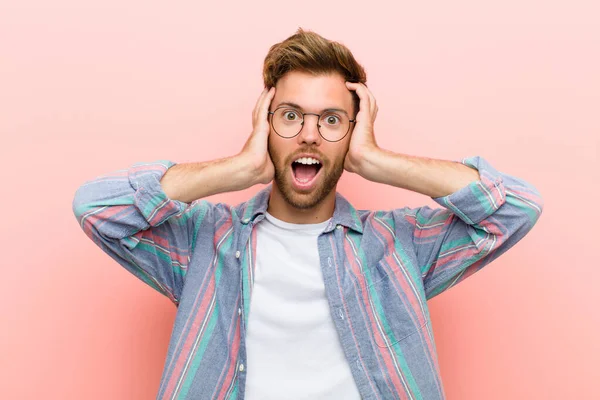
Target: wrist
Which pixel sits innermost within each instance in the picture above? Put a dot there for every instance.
(365, 161)
(251, 170)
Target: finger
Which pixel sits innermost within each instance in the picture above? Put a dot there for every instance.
(261, 122)
(266, 103)
(362, 95)
(373, 108)
(258, 103)
(361, 91)
(372, 101)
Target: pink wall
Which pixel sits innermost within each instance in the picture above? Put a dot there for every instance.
(86, 89)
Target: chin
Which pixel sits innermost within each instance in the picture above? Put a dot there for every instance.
(304, 200)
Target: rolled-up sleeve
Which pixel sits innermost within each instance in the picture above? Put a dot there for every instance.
(476, 225)
(129, 216)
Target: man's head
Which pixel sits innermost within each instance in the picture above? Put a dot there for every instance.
(310, 71)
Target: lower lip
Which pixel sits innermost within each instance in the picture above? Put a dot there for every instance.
(305, 186)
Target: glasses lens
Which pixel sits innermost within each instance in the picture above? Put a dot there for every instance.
(334, 125)
(287, 122)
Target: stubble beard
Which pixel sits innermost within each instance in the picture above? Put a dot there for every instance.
(303, 201)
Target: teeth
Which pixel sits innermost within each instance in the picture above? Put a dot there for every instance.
(307, 160)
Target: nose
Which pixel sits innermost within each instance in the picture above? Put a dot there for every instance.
(310, 131)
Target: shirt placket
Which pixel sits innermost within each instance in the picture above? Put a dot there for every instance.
(246, 262)
(332, 258)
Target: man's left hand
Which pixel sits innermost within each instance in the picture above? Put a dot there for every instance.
(362, 141)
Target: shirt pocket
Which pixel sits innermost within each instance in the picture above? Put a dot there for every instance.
(396, 305)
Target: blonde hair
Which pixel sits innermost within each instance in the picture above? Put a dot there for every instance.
(310, 52)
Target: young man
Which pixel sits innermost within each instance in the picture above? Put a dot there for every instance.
(294, 293)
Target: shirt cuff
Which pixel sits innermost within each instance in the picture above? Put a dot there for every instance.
(149, 196)
(479, 199)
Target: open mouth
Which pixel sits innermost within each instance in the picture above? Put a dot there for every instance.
(305, 171)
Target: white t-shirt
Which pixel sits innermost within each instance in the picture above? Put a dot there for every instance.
(293, 349)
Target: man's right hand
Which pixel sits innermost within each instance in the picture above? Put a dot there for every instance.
(191, 181)
(255, 151)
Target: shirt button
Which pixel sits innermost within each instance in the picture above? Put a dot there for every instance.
(339, 227)
(239, 311)
(241, 367)
(237, 254)
(246, 220)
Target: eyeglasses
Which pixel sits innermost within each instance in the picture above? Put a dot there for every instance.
(333, 126)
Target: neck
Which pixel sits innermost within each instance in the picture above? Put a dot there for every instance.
(281, 209)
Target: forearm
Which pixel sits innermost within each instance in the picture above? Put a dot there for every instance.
(187, 182)
(431, 177)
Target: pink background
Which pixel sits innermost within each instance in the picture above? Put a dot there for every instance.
(87, 88)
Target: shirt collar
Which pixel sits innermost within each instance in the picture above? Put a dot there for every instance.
(344, 213)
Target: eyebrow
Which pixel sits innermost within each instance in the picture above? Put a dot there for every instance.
(288, 103)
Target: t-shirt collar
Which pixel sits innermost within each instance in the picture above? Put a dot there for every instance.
(344, 213)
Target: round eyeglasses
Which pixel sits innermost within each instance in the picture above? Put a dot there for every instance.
(333, 125)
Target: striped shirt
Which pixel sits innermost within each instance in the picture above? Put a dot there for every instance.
(379, 269)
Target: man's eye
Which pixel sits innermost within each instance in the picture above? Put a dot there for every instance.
(290, 116)
(332, 119)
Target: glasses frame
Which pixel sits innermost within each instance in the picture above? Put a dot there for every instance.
(304, 119)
